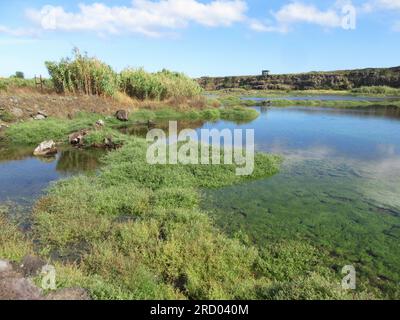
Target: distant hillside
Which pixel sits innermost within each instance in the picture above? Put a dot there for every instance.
(337, 80)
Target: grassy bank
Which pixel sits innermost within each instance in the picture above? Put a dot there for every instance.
(34, 132)
(13, 244)
(236, 100)
(333, 103)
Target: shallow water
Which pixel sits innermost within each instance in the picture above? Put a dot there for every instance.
(330, 97)
(339, 186)
(23, 177)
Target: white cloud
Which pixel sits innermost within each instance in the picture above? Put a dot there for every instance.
(295, 13)
(259, 26)
(151, 18)
(298, 12)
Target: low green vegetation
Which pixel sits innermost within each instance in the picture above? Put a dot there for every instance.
(20, 83)
(237, 100)
(139, 234)
(333, 103)
(377, 90)
(34, 132)
(6, 116)
(13, 245)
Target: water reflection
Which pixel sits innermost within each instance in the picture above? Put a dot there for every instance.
(141, 129)
(338, 188)
(24, 177)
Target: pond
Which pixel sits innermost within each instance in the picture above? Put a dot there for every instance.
(25, 177)
(338, 188)
(328, 97)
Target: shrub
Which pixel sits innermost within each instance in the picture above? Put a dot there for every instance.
(6, 116)
(83, 75)
(19, 75)
(142, 85)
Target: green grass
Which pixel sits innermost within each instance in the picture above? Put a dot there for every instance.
(377, 90)
(12, 82)
(6, 116)
(143, 231)
(333, 103)
(34, 132)
(13, 245)
(235, 100)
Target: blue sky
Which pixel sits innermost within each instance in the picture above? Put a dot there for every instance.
(202, 37)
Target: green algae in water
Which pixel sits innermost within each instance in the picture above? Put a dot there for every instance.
(325, 203)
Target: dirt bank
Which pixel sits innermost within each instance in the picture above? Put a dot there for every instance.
(22, 106)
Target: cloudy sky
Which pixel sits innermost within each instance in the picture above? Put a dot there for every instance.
(202, 37)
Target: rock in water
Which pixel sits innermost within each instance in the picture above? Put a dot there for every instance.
(46, 148)
(122, 115)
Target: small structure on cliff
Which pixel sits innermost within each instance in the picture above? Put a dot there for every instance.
(265, 73)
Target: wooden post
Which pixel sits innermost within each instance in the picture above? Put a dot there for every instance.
(39, 82)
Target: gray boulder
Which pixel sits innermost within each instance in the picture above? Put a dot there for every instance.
(122, 115)
(31, 266)
(39, 117)
(17, 112)
(76, 138)
(46, 148)
(5, 266)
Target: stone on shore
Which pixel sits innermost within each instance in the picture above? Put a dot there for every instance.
(122, 115)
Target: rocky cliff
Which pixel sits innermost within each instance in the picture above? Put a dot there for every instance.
(337, 80)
